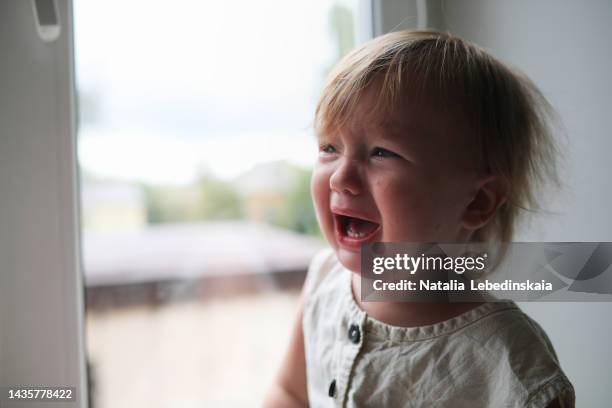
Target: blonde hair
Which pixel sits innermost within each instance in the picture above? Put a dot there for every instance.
(510, 118)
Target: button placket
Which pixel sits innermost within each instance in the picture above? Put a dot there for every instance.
(351, 345)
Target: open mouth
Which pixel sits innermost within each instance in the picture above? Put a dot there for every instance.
(353, 230)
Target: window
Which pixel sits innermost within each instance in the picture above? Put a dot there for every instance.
(195, 147)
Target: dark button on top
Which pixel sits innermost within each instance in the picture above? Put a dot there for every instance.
(354, 334)
(332, 389)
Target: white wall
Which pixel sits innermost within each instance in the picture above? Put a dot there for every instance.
(40, 283)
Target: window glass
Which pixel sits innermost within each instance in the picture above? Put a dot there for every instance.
(195, 150)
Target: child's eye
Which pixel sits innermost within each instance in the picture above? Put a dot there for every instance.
(327, 148)
(380, 152)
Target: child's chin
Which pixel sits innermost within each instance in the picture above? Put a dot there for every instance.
(349, 259)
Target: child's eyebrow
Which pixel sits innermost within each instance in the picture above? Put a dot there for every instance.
(393, 130)
(325, 137)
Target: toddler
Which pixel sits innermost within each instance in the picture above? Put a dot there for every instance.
(423, 137)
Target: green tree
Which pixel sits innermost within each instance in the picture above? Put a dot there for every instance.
(171, 204)
(300, 210)
(206, 199)
(218, 200)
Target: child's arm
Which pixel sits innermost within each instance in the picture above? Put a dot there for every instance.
(289, 389)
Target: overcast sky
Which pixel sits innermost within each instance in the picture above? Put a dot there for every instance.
(176, 86)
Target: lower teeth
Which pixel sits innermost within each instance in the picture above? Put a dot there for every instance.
(354, 234)
(356, 228)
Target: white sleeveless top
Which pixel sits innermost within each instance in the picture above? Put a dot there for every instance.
(491, 356)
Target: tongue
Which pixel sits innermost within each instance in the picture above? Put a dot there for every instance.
(358, 226)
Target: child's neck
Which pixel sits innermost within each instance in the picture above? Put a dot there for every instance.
(409, 314)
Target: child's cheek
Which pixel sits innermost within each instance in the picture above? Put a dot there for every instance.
(403, 206)
(395, 191)
(319, 187)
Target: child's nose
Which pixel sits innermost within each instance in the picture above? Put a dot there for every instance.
(346, 178)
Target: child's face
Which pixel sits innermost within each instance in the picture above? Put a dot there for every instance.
(409, 179)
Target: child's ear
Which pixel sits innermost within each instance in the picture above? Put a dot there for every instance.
(491, 193)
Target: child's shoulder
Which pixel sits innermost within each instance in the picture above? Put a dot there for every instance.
(320, 267)
(507, 330)
(516, 350)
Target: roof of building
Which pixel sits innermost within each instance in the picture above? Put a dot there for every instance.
(193, 250)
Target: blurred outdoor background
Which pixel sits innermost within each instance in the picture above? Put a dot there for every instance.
(195, 146)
